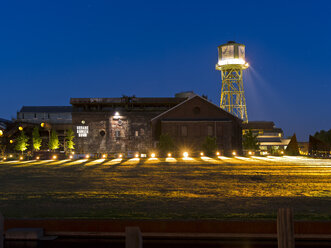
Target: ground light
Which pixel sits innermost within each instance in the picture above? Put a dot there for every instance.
(234, 153)
(71, 157)
(11, 141)
(137, 155)
(120, 156)
(21, 158)
(249, 153)
(20, 128)
(4, 158)
(104, 156)
(37, 157)
(169, 155)
(217, 153)
(54, 157)
(42, 124)
(185, 154)
(1, 132)
(10, 155)
(153, 155)
(201, 153)
(87, 156)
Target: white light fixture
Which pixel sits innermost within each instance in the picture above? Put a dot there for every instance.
(116, 115)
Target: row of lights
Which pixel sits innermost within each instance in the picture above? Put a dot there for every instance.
(152, 155)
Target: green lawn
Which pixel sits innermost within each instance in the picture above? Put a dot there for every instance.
(197, 188)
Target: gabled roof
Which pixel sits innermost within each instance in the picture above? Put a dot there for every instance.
(46, 109)
(190, 99)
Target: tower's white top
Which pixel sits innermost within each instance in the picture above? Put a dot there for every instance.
(231, 53)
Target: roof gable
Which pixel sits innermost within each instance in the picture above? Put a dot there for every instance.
(196, 107)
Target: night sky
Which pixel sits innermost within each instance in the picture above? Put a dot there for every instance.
(54, 50)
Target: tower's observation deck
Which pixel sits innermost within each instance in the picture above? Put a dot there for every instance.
(231, 63)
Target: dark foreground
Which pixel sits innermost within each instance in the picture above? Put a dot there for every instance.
(177, 188)
(163, 234)
(106, 243)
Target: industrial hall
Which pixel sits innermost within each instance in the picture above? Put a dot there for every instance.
(130, 125)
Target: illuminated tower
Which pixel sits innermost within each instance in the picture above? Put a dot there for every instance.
(231, 63)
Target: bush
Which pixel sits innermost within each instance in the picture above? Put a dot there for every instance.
(209, 146)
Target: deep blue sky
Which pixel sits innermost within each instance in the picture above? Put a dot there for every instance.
(54, 50)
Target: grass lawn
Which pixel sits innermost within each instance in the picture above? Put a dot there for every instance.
(195, 188)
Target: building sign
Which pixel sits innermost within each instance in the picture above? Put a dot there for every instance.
(82, 131)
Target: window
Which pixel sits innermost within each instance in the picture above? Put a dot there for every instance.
(136, 133)
(210, 131)
(196, 110)
(263, 148)
(183, 131)
(102, 133)
(117, 133)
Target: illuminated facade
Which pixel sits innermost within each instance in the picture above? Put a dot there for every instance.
(231, 63)
(271, 139)
(117, 125)
(131, 125)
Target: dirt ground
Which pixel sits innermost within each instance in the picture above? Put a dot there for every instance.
(192, 188)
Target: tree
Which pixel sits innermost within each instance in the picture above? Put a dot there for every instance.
(36, 140)
(209, 146)
(324, 136)
(292, 148)
(250, 141)
(69, 139)
(22, 142)
(53, 143)
(166, 144)
(3, 145)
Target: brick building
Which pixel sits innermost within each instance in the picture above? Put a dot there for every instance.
(190, 122)
(131, 124)
(117, 125)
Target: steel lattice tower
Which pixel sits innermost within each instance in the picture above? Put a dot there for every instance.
(231, 63)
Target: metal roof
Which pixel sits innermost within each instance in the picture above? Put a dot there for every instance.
(46, 109)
